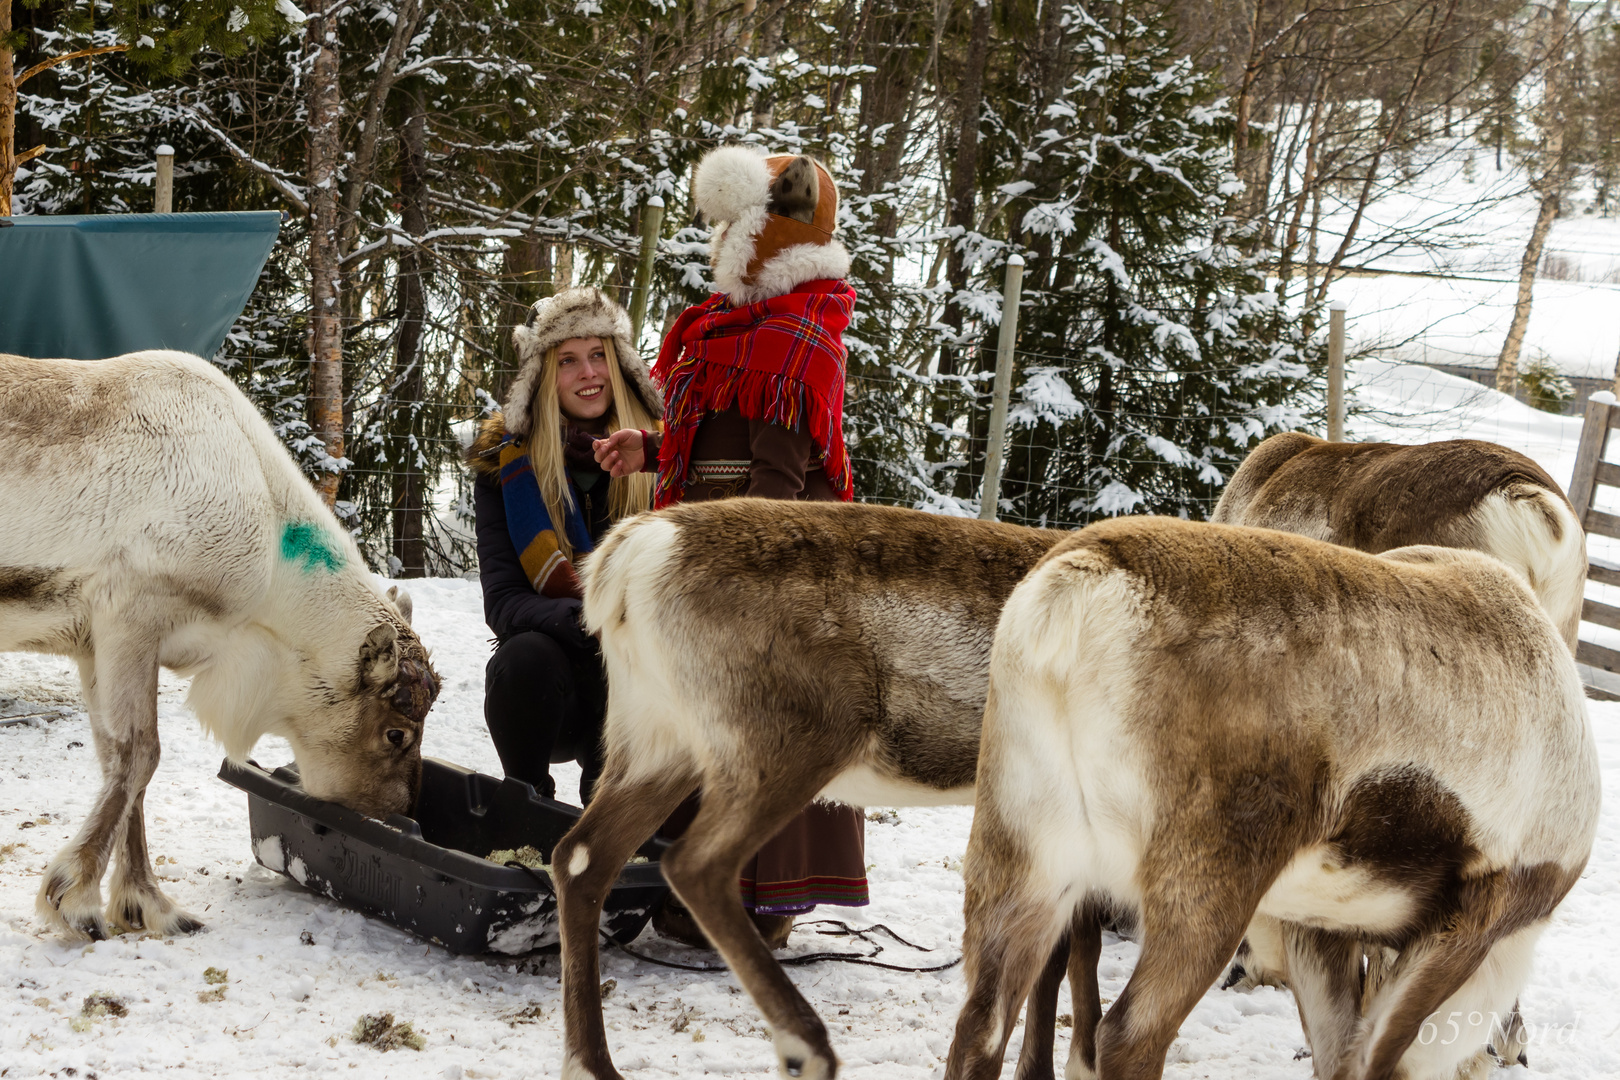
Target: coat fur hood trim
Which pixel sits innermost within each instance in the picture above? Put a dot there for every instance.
(574, 313)
(484, 455)
(773, 221)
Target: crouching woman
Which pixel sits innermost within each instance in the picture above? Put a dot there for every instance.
(541, 501)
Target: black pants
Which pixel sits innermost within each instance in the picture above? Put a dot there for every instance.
(544, 702)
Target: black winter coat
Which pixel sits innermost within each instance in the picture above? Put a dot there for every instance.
(511, 606)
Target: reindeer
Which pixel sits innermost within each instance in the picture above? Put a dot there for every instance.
(1461, 493)
(1200, 722)
(153, 518)
(772, 653)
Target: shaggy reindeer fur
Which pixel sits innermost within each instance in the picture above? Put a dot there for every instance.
(152, 518)
(771, 653)
(1462, 493)
(1202, 722)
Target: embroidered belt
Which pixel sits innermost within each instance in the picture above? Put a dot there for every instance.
(718, 472)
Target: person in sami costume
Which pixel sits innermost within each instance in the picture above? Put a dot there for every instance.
(753, 381)
(540, 501)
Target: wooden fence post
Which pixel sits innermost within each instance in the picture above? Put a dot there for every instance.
(1335, 387)
(652, 218)
(1591, 471)
(163, 188)
(1003, 388)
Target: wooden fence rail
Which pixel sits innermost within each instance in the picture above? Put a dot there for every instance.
(1592, 472)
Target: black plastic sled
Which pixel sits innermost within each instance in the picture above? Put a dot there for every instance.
(425, 875)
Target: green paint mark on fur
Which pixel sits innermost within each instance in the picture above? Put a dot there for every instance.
(305, 542)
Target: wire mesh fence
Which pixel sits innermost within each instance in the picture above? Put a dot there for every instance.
(916, 440)
(1086, 438)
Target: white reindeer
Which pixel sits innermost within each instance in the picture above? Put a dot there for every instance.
(149, 516)
(1199, 722)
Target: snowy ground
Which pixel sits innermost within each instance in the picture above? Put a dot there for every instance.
(289, 1006)
(1459, 217)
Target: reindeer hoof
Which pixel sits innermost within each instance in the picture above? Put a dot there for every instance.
(135, 909)
(70, 905)
(798, 1060)
(1234, 975)
(574, 1069)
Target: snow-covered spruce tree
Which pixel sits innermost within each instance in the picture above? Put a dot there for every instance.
(1153, 355)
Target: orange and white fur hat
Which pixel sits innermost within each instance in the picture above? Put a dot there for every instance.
(773, 221)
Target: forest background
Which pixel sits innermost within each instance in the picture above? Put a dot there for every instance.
(1167, 170)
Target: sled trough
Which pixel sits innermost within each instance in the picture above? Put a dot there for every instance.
(425, 875)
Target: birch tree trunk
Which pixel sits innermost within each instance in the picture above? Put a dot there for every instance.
(325, 272)
(1550, 186)
(8, 113)
(409, 487)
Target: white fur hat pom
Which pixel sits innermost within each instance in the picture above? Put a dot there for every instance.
(731, 183)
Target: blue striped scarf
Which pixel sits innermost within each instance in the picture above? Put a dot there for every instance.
(533, 533)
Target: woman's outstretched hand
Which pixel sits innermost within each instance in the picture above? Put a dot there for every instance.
(621, 453)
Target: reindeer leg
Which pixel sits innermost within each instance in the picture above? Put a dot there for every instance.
(120, 684)
(1014, 919)
(1461, 980)
(1197, 901)
(703, 866)
(135, 901)
(1324, 972)
(623, 813)
(1040, 1017)
(1077, 954)
(1085, 949)
(1261, 959)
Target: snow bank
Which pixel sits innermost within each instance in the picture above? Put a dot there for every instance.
(1450, 211)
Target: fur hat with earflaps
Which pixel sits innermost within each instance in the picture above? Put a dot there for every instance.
(574, 313)
(773, 222)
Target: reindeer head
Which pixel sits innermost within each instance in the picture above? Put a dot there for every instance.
(370, 757)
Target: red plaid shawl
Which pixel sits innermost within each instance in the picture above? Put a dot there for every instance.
(780, 360)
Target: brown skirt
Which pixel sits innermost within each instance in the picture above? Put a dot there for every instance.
(818, 858)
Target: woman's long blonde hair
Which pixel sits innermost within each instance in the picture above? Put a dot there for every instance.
(626, 494)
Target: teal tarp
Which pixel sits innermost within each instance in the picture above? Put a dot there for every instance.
(85, 288)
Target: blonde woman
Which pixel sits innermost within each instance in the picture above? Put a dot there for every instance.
(540, 501)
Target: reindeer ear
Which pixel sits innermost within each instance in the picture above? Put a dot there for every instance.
(379, 657)
(401, 601)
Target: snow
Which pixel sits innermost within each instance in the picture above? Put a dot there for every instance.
(1464, 320)
(1447, 249)
(300, 970)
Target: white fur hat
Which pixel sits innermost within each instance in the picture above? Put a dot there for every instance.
(574, 313)
(773, 221)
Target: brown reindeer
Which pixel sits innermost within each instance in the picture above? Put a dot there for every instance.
(771, 653)
(1201, 723)
(1461, 493)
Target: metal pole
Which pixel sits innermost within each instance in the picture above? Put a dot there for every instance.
(1335, 397)
(163, 189)
(652, 216)
(1003, 391)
